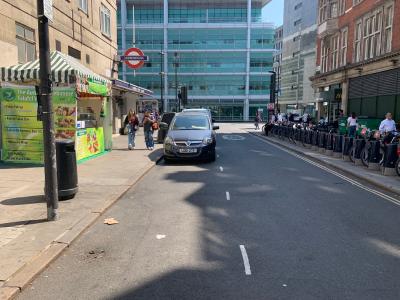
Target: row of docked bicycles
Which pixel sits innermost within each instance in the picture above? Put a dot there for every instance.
(369, 148)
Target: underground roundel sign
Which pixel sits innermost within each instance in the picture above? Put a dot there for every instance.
(134, 58)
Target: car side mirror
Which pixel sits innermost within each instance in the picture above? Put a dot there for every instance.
(163, 125)
(215, 127)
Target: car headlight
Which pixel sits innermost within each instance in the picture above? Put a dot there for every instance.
(168, 141)
(207, 141)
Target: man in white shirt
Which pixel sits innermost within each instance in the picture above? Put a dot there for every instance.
(388, 125)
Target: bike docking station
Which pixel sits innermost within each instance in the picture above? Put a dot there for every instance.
(338, 146)
(374, 155)
(329, 145)
(322, 142)
(389, 162)
(359, 145)
(347, 145)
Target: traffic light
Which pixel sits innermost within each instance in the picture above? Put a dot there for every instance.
(272, 87)
(184, 95)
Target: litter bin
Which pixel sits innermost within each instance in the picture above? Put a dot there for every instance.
(67, 174)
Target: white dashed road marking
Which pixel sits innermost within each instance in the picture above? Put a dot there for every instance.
(228, 196)
(245, 260)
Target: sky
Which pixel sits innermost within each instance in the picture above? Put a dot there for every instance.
(273, 12)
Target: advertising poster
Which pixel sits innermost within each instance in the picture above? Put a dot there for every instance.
(22, 133)
(89, 142)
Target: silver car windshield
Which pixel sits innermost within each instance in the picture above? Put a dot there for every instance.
(191, 122)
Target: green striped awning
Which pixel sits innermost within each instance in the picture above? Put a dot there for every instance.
(62, 67)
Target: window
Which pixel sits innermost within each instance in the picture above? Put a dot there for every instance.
(88, 59)
(105, 20)
(296, 38)
(83, 5)
(298, 5)
(296, 53)
(58, 45)
(26, 45)
(297, 22)
(74, 52)
(372, 34)
(324, 57)
(335, 51)
(342, 7)
(388, 23)
(357, 42)
(343, 49)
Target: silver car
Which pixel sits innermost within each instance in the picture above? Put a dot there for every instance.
(190, 136)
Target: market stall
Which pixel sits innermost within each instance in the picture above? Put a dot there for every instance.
(81, 107)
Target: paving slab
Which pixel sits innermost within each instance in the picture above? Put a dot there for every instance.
(27, 239)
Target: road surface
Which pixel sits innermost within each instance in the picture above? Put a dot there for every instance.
(259, 223)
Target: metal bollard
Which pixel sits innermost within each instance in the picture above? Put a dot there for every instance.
(322, 142)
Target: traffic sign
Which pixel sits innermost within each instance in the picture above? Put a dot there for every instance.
(134, 58)
(48, 9)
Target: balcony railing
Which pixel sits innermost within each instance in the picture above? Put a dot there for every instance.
(328, 27)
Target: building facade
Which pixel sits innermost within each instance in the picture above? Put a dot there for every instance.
(278, 61)
(220, 50)
(85, 30)
(298, 56)
(358, 57)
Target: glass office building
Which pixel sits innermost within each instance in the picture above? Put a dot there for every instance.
(220, 50)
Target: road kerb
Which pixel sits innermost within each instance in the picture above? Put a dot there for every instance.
(26, 274)
(329, 164)
(7, 292)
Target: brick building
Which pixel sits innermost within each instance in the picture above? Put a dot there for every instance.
(358, 57)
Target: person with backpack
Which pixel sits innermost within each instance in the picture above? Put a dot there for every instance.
(133, 126)
(148, 130)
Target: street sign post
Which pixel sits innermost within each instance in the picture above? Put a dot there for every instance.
(134, 58)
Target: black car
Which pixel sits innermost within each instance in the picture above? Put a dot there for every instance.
(190, 136)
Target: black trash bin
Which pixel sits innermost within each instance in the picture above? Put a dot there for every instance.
(67, 173)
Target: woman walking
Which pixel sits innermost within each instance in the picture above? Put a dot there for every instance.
(148, 131)
(352, 124)
(133, 125)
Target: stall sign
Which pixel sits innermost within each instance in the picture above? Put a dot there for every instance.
(22, 133)
(89, 142)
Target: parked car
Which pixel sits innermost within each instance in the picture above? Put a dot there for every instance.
(199, 110)
(190, 136)
(162, 132)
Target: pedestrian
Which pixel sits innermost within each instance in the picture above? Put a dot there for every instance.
(257, 121)
(352, 124)
(280, 117)
(133, 126)
(273, 118)
(388, 125)
(148, 131)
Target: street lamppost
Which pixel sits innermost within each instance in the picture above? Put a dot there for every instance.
(273, 90)
(162, 74)
(176, 63)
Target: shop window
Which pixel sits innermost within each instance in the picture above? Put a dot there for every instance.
(105, 17)
(75, 53)
(25, 38)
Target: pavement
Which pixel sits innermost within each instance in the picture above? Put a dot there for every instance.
(259, 223)
(390, 183)
(28, 243)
